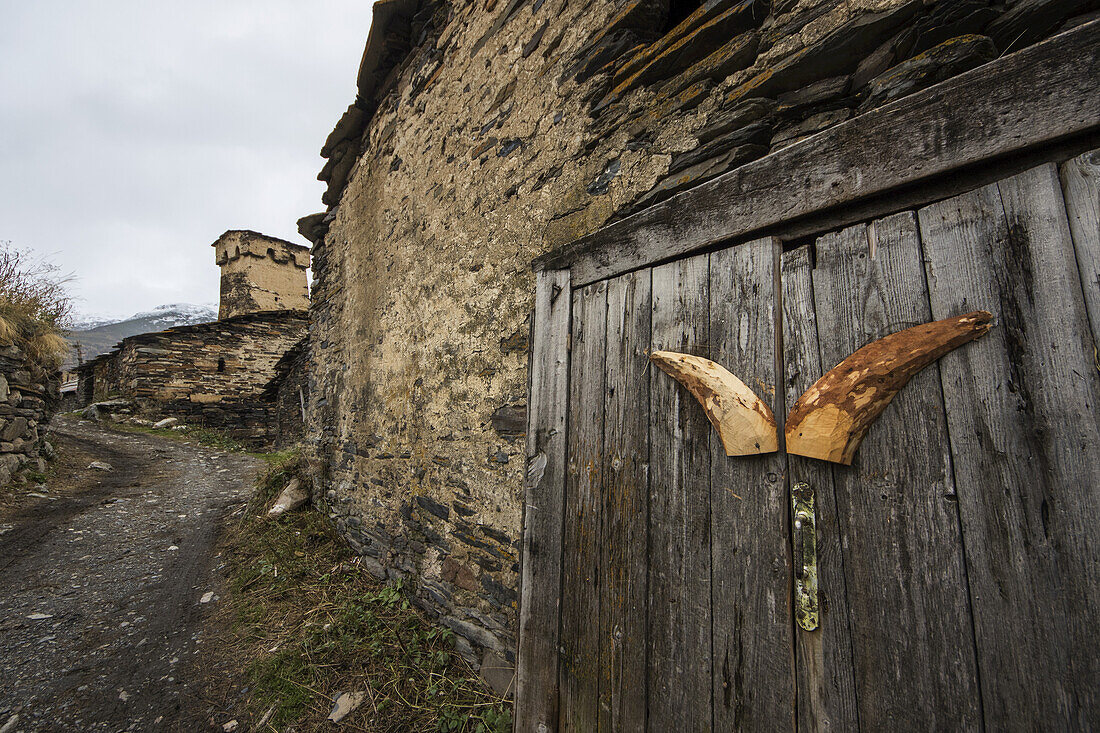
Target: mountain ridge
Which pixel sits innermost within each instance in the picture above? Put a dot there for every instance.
(92, 337)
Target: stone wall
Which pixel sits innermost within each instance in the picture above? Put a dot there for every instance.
(260, 273)
(209, 374)
(28, 399)
(288, 392)
(487, 133)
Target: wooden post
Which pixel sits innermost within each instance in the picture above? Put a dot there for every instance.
(540, 586)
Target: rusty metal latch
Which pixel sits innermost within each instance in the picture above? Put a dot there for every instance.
(805, 556)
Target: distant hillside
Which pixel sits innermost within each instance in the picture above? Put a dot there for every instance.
(97, 336)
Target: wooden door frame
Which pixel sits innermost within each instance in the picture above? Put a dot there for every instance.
(1034, 106)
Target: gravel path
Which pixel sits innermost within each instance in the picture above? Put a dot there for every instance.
(102, 584)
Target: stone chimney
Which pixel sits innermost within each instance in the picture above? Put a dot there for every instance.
(260, 273)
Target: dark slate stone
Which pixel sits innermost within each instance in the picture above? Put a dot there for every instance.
(531, 45)
(496, 534)
(670, 59)
(510, 420)
(599, 186)
(508, 147)
(636, 22)
(758, 133)
(837, 53)
(506, 15)
(734, 56)
(881, 59)
(948, 59)
(1029, 21)
(430, 505)
(809, 126)
(813, 95)
(593, 57)
(946, 20)
(730, 118)
(783, 24)
(485, 147)
(499, 593)
(462, 510)
(693, 176)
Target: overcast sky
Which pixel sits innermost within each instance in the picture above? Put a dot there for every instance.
(133, 133)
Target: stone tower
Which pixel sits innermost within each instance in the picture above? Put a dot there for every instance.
(260, 273)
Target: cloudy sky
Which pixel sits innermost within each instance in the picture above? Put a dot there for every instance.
(133, 133)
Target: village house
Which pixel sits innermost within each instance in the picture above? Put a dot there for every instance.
(526, 199)
(213, 374)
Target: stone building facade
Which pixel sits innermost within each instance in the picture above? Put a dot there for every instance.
(288, 391)
(213, 374)
(485, 134)
(260, 273)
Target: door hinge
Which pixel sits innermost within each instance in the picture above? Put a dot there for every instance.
(805, 556)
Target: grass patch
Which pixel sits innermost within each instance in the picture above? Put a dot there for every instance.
(312, 623)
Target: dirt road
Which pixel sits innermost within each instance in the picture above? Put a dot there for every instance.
(105, 583)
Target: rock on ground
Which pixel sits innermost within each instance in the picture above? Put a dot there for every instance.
(293, 497)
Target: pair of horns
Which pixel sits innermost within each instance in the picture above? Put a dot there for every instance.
(831, 418)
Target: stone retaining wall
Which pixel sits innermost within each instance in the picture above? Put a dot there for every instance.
(28, 399)
(487, 133)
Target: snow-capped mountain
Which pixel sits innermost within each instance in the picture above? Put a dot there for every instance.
(91, 337)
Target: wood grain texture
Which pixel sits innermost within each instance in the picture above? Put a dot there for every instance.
(626, 508)
(826, 699)
(679, 672)
(584, 490)
(830, 419)
(1081, 184)
(1036, 96)
(1022, 405)
(912, 639)
(744, 423)
(540, 581)
(750, 589)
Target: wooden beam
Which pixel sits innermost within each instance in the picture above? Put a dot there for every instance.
(540, 582)
(1035, 97)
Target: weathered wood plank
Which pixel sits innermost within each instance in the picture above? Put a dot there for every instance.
(585, 481)
(1022, 406)
(540, 582)
(1081, 183)
(751, 614)
(825, 682)
(1036, 96)
(626, 508)
(912, 638)
(679, 664)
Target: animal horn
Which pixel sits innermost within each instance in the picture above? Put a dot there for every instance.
(745, 425)
(831, 418)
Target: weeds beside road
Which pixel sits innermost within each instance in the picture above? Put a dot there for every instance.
(310, 623)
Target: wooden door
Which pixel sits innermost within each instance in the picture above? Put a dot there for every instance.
(957, 555)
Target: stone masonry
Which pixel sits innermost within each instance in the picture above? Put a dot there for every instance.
(28, 398)
(260, 273)
(487, 133)
(208, 374)
(288, 391)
